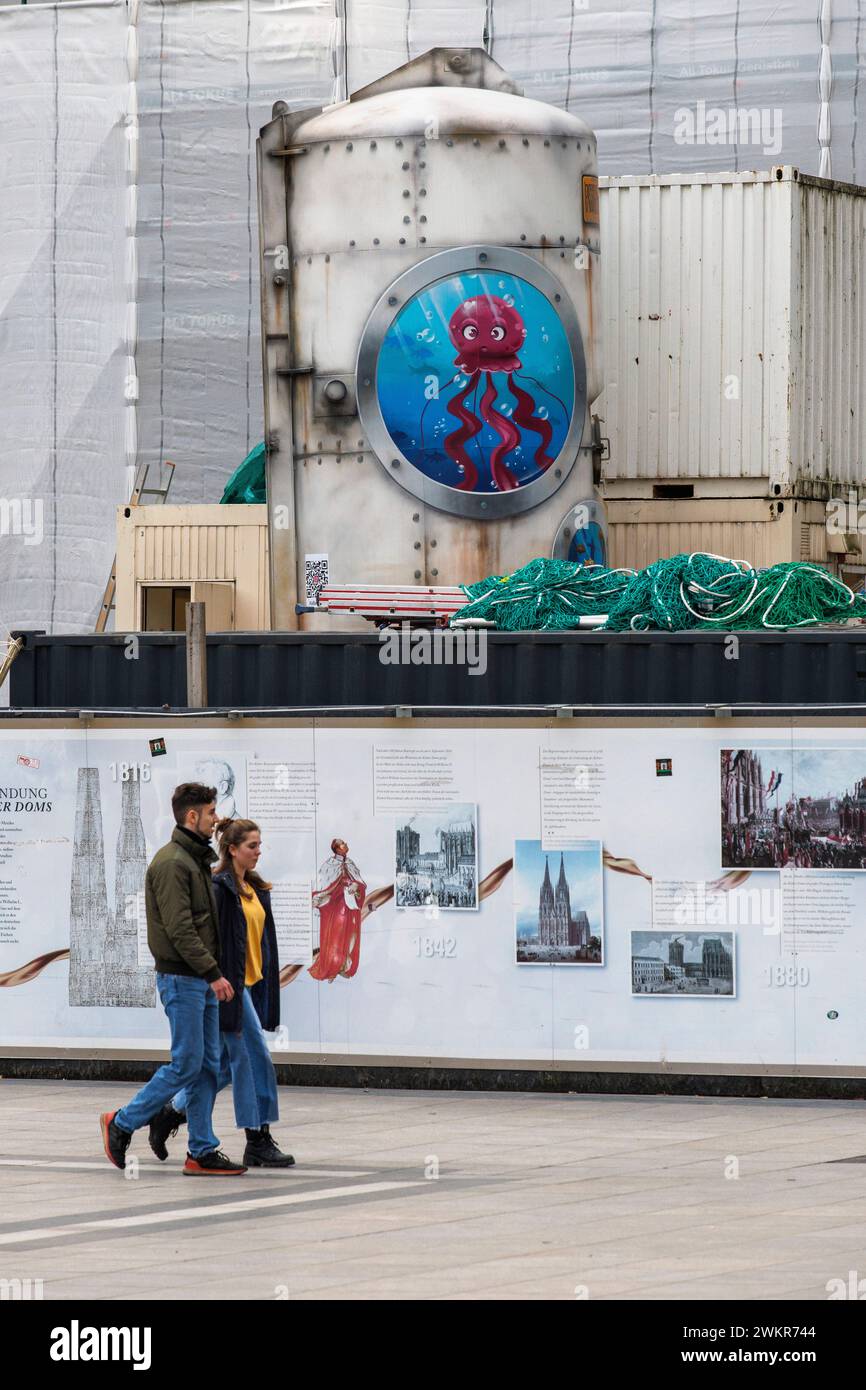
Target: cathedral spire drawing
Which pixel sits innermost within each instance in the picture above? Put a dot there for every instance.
(103, 945)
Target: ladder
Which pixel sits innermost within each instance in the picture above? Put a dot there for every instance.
(139, 490)
(382, 603)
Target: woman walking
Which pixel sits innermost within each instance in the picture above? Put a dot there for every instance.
(248, 959)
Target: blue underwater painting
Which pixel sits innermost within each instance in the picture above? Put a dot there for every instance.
(475, 381)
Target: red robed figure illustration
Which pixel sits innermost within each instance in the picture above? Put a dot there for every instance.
(340, 923)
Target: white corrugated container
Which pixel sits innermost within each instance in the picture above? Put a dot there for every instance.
(734, 333)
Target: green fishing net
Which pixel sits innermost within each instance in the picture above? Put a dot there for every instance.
(675, 595)
(709, 591)
(545, 595)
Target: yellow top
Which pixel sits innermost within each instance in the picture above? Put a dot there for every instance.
(255, 918)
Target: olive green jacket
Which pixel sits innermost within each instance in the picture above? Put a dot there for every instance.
(182, 923)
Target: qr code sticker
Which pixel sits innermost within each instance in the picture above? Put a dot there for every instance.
(316, 576)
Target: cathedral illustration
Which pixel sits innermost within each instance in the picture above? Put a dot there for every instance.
(103, 945)
(556, 925)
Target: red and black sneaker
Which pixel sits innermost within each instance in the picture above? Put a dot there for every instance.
(213, 1164)
(115, 1140)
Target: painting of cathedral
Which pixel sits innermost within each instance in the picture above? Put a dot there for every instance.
(103, 945)
(558, 904)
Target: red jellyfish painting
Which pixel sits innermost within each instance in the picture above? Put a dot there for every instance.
(488, 333)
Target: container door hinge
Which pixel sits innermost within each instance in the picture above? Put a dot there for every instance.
(600, 446)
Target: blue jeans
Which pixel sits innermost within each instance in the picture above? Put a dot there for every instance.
(246, 1062)
(193, 1013)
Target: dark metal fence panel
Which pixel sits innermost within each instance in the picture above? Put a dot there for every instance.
(344, 671)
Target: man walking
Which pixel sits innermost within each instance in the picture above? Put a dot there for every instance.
(183, 936)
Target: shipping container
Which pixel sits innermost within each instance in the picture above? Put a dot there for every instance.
(756, 529)
(735, 334)
(502, 675)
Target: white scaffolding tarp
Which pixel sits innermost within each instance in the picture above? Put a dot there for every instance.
(96, 312)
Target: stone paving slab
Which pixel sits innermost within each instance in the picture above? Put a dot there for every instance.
(536, 1196)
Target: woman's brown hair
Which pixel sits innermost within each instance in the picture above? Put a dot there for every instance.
(234, 832)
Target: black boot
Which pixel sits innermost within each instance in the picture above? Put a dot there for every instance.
(262, 1152)
(164, 1125)
(115, 1140)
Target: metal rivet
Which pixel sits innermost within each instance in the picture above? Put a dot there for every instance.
(522, 236)
(327, 147)
(350, 146)
(525, 141)
(372, 144)
(434, 573)
(433, 543)
(405, 164)
(360, 458)
(502, 144)
(395, 463)
(578, 144)
(422, 240)
(309, 260)
(422, 164)
(351, 243)
(422, 192)
(557, 297)
(375, 241)
(449, 142)
(482, 256)
(402, 241)
(423, 217)
(417, 545)
(417, 574)
(392, 299)
(561, 240)
(327, 258)
(547, 144)
(557, 472)
(360, 441)
(484, 506)
(406, 193)
(563, 144)
(416, 516)
(562, 255)
(399, 144)
(407, 220)
(476, 143)
(366, 383)
(421, 144)
(279, 279)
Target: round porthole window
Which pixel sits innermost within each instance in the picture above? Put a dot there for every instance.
(471, 382)
(582, 534)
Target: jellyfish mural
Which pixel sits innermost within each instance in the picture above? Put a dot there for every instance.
(488, 333)
(476, 382)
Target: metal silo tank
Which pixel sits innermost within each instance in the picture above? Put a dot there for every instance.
(435, 202)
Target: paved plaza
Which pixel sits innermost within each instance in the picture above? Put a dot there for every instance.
(443, 1195)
